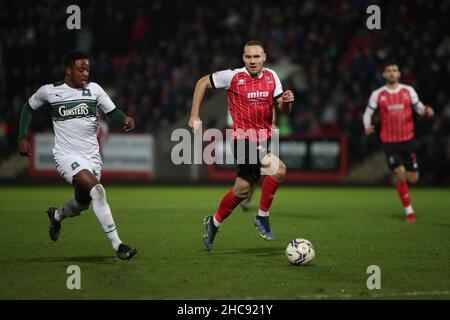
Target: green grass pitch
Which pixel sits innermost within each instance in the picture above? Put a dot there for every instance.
(351, 229)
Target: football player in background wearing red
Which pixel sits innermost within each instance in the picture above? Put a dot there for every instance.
(395, 102)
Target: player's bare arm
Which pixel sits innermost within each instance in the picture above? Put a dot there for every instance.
(24, 148)
(274, 119)
(369, 130)
(429, 112)
(128, 124)
(200, 88)
(285, 101)
(423, 110)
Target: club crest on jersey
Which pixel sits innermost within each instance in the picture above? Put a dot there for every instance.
(86, 92)
(241, 82)
(81, 109)
(257, 94)
(269, 79)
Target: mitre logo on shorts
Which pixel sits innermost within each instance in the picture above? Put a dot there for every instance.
(257, 94)
(81, 109)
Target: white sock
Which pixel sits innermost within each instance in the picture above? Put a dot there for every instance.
(104, 216)
(59, 214)
(263, 213)
(409, 210)
(71, 208)
(216, 223)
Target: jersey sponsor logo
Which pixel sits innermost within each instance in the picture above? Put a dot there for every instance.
(81, 109)
(73, 109)
(258, 94)
(395, 107)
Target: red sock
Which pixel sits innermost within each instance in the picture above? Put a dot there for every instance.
(403, 191)
(227, 205)
(269, 188)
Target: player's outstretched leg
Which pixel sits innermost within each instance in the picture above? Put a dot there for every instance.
(262, 224)
(55, 226)
(71, 208)
(403, 177)
(229, 202)
(104, 216)
(403, 192)
(245, 204)
(269, 188)
(125, 252)
(210, 232)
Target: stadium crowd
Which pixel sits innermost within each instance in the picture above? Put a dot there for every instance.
(148, 55)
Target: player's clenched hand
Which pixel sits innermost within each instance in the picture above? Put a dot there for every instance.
(128, 124)
(24, 148)
(288, 96)
(429, 112)
(369, 130)
(194, 123)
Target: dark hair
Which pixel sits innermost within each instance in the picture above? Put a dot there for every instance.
(254, 43)
(389, 63)
(72, 56)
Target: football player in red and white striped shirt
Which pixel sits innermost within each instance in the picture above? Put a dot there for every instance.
(252, 93)
(395, 102)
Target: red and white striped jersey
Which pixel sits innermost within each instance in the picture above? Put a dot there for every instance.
(395, 108)
(250, 99)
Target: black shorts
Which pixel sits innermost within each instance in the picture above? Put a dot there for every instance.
(248, 155)
(401, 154)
